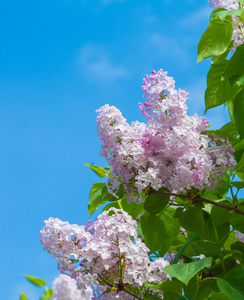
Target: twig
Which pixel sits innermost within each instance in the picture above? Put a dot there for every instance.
(200, 199)
(131, 293)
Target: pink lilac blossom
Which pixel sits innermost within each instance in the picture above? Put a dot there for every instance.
(103, 256)
(65, 288)
(230, 5)
(240, 236)
(170, 150)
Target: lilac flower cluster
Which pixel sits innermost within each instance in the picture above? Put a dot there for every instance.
(240, 236)
(103, 256)
(230, 5)
(169, 151)
(65, 288)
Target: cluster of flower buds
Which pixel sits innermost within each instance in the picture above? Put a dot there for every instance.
(105, 255)
(230, 5)
(169, 151)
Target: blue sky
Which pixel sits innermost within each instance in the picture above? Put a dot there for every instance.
(60, 60)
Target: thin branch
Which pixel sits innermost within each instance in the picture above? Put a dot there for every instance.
(239, 25)
(200, 199)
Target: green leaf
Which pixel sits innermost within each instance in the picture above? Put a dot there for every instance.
(219, 90)
(23, 297)
(222, 57)
(238, 184)
(219, 193)
(114, 204)
(49, 292)
(237, 222)
(220, 215)
(45, 297)
(228, 130)
(230, 241)
(239, 150)
(232, 284)
(224, 13)
(184, 272)
(192, 220)
(178, 212)
(231, 109)
(155, 203)
(239, 111)
(174, 286)
(172, 228)
(94, 197)
(205, 289)
(134, 209)
(240, 175)
(215, 40)
(172, 296)
(238, 246)
(98, 170)
(236, 63)
(218, 296)
(240, 165)
(36, 281)
(160, 231)
(237, 80)
(210, 240)
(153, 230)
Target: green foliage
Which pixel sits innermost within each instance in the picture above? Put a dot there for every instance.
(132, 208)
(192, 220)
(99, 195)
(98, 170)
(222, 14)
(216, 39)
(232, 284)
(160, 230)
(48, 292)
(45, 297)
(95, 197)
(184, 272)
(219, 90)
(36, 281)
(239, 110)
(155, 203)
(23, 297)
(218, 296)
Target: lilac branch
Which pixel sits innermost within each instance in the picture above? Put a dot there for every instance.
(200, 199)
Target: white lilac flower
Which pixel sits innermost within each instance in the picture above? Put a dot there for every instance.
(65, 288)
(104, 256)
(170, 150)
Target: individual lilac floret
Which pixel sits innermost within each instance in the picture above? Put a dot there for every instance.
(103, 256)
(230, 5)
(170, 150)
(65, 288)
